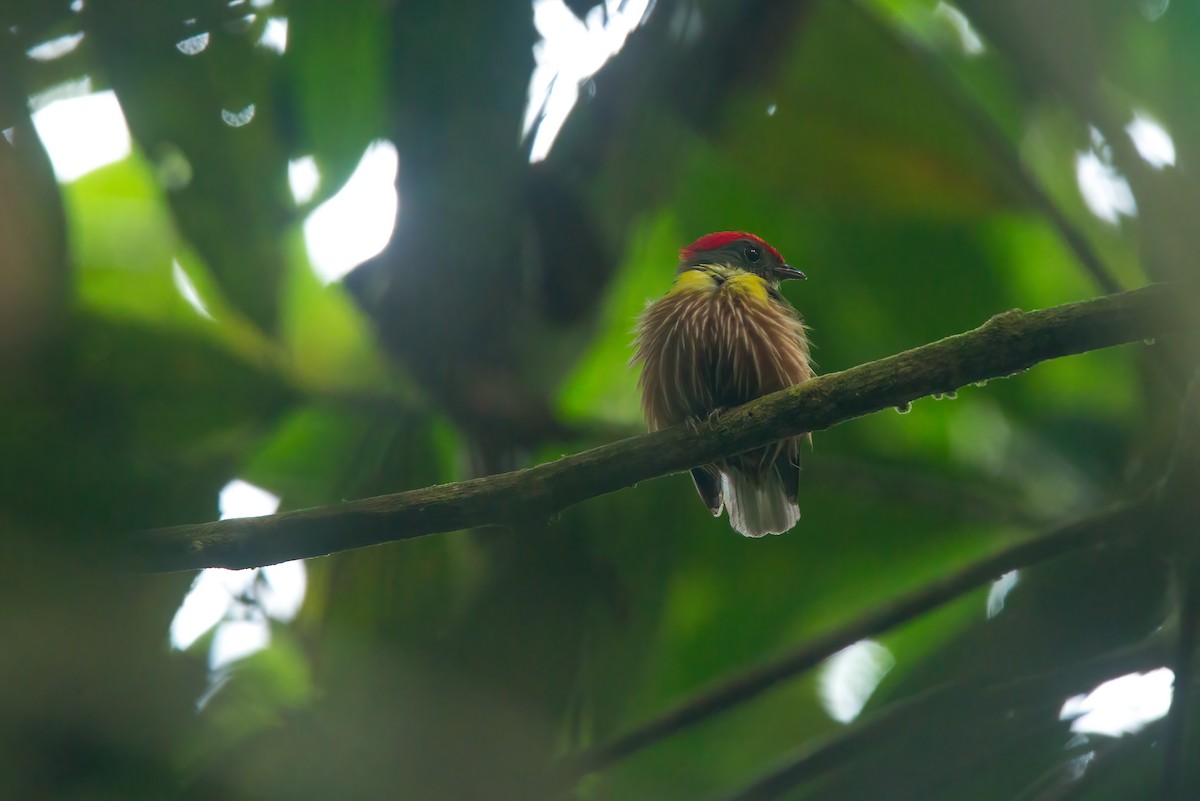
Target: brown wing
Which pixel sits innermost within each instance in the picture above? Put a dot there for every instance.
(708, 484)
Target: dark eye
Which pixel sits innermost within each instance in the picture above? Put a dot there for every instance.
(752, 254)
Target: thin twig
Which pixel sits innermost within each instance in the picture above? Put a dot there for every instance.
(745, 686)
(1006, 344)
(813, 760)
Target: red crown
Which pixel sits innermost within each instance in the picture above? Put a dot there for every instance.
(719, 240)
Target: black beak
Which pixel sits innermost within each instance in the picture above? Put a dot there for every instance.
(786, 271)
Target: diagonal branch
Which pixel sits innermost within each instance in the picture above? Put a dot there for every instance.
(900, 718)
(1091, 531)
(1006, 344)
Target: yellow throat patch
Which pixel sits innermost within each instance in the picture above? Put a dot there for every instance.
(711, 277)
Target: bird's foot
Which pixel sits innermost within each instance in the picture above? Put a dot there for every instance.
(695, 424)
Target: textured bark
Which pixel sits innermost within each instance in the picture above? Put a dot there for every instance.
(1008, 343)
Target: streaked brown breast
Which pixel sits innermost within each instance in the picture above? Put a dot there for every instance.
(714, 348)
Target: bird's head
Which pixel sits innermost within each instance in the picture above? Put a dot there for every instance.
(738, 251)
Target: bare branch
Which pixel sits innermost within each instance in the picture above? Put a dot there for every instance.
(900, 717)
(745, 686)
(1006, 344)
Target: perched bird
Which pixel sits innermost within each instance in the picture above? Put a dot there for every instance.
(721, 336)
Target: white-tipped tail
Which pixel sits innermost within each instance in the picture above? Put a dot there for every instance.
(758, 507)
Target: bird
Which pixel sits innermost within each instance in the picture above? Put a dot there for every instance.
(721, 336)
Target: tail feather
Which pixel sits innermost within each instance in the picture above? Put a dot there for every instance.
(759, 505)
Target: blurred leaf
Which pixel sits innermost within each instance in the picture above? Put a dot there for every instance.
(112, 422)
(338, 59)
(213, 112)
(602, 384)
(329, 342)
(257, 696)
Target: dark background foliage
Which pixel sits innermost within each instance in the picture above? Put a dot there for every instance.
(924, 180)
